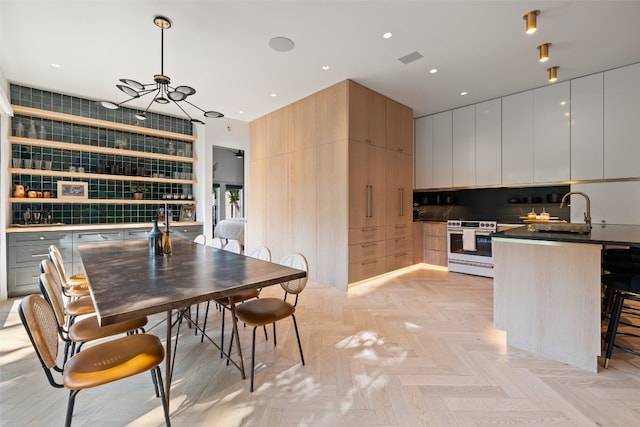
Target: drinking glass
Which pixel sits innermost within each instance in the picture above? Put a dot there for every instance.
(17, 162)
(47, 164)
(27, 163)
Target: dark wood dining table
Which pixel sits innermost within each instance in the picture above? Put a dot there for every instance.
(126, 283)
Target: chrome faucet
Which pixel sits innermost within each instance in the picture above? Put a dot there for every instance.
(587, 214)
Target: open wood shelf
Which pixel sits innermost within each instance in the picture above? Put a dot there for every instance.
(100, 201)
(84, 175)
(94, 149)
(87, 121)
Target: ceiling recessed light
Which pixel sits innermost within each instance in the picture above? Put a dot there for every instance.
(240, 112)
(55, 65)
(281, 44)
(387, 35)
(463, 93)
(325, 67)
(433, 70)
(273, 95)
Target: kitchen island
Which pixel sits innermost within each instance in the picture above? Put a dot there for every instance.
(547, 290)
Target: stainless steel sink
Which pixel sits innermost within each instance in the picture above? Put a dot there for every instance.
(562, 227)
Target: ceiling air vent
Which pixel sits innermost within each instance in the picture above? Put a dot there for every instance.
(413, 56)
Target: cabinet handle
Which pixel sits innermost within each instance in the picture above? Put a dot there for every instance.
(367, 245)
(370, 262)
(39, 255)
(369, 201)
(41, 237)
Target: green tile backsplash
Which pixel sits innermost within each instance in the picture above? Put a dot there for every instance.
(99, 188)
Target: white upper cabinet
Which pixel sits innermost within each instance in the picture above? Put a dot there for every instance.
(464, 146)
(442, 150)
(622, 122)
(587, 127)
(423, 153)
(489, 142)
(517, 138)
(551, 134)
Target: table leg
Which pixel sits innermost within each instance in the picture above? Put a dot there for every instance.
(167, 361)
(232, 308)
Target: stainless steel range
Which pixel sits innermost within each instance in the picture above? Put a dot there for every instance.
(469, 246)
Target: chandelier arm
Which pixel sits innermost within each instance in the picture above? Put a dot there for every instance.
(149, 106)
(180, 107)
(193, 105)
(146, 91)
(127, 100)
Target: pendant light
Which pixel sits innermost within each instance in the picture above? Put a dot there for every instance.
(161, 87)
(544, 52)
(531, 18)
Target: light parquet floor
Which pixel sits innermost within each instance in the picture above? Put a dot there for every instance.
(418, 349)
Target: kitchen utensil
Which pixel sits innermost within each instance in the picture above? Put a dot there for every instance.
(20, 190)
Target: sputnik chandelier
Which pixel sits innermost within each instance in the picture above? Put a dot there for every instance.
(161, 87)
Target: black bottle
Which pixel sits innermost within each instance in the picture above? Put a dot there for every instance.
(155, 240)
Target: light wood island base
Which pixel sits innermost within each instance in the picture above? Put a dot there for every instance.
(547, 298)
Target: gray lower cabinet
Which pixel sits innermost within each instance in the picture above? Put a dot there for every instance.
(26, 249)
(92, 236)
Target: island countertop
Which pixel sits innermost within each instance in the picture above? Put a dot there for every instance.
(601, 234)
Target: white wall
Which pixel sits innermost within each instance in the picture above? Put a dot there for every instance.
(611, 202)
(6, 187)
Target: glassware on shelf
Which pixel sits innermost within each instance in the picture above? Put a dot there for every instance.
(20, 129)
(32, 130)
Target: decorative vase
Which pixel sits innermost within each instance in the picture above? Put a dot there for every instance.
(155, 240)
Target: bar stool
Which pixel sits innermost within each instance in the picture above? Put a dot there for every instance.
(622, 287)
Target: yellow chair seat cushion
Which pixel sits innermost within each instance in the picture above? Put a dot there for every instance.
(113, 360)
(264, 311)
(239, 297)
(81, 290)
(80, 306)
(88, 329)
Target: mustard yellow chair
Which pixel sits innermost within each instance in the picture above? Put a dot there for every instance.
(77, 306)
(264, 311)
(75, 285)
(85, 329)
(101, 364)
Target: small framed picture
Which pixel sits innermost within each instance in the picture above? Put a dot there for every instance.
(187, 213)
(78, 189)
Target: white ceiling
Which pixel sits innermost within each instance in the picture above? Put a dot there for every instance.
(222, 48)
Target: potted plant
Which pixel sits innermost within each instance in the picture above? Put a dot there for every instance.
(138, 191)
(234, 199)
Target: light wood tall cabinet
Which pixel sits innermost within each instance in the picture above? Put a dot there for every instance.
(367, 116)
(333, 183)
(423, 154)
